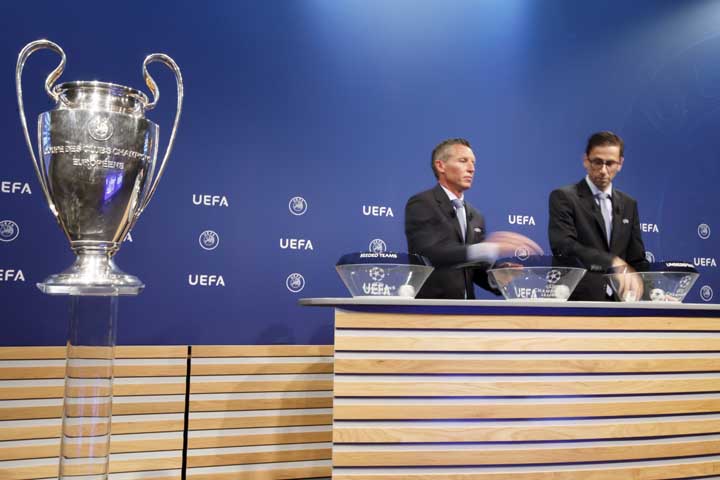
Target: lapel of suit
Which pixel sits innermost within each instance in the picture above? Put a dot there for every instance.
(447, 209)
(618, 215)
(469, 236)
(470, 231)
(588, 201)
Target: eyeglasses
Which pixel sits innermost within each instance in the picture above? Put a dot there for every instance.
(598, 163)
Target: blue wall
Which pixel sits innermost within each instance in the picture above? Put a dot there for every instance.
(341, 102)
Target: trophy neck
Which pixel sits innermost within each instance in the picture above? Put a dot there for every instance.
(101, 96)
(91, 249)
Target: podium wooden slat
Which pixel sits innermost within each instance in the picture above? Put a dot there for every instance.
(509, 364)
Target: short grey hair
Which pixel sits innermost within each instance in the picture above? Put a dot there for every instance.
(440, 152)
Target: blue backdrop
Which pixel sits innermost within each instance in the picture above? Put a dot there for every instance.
(340, 103)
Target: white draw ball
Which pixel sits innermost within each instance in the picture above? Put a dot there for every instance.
(406, 291)
(561, 292)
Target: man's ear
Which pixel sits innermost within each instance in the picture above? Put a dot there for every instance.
(622, 160)
(439, 166)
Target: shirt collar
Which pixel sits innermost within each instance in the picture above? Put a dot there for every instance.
(451, 195)
(595, 190)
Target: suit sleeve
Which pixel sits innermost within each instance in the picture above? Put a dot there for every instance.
(564, 238)
(636, 248)
(428, 234)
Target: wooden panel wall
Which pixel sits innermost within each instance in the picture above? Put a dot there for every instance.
(148, 412)
(421, 397)
(253, 412)
(260, 413)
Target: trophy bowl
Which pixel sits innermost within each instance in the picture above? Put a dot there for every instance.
(388, 274)
(537, 278)
(660, 282)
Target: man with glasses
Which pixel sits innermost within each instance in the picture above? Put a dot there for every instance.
(599, 224)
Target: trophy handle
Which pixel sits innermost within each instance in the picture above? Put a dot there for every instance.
(29, 49)
(170, 63)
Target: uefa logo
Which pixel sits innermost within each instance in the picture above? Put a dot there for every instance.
(295, 282)
(297, 206)
(209, 240)
(9, 230)
(522, 253)
(649, 256)
(376, 273)
(100, 128)
(553, 276)
(706, 293)
(377, 246)
(704, 231)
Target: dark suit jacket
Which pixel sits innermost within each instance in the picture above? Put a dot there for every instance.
(576, 228)
(432, 230)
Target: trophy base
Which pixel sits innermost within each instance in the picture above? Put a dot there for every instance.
(92, 274)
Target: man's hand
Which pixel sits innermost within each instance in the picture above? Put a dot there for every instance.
(510, 243)
(629, 285)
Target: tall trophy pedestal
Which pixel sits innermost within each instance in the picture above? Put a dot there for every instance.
(87, 408)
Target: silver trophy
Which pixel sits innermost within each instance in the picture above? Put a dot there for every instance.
(97, 168)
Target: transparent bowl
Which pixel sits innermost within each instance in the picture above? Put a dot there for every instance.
(537, 278)
(663, 282)
(387, 274)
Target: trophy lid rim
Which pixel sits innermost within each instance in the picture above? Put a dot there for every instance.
(103, 85)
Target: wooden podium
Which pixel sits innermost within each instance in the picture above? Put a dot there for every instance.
(498, 390)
